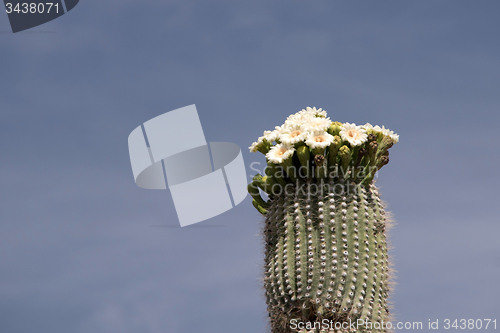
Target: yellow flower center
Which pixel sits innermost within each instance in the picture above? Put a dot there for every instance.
(295, 134)
(319, 139)
(281, 152)
(353, 134)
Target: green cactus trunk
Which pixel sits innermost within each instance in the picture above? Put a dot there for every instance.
(326, 257)
(326, 264)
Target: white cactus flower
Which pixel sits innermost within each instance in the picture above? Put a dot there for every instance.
(304, 115)
(271, 136)
(253, 147)
(319, 139)
(314, 112)
(391, 134)
(355, 135)
(367, 126)
(293, 134)
(314, 124)
(280, 153)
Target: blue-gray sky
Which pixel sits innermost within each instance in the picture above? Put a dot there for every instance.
(78, 252)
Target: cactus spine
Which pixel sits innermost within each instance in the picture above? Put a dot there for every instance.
(326, 260)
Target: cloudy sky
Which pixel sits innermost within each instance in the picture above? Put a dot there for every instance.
(83, 249)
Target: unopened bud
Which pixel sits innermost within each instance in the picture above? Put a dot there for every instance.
(319, 159)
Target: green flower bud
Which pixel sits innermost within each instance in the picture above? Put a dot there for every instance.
(335, 128)
(290, 169)
(320, 167)
(345, 157)
(260, 182)
(264, 147)
(304, 154)
(333, 150)
(384, 145)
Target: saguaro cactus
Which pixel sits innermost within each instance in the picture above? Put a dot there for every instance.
(326, 263)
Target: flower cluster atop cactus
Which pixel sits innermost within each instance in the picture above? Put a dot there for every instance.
(309, 144)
